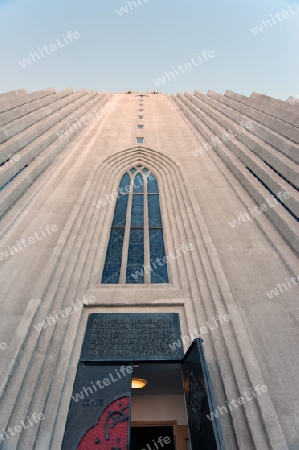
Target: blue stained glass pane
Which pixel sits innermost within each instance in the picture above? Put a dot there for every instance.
(137, 215)
(120, 211)
(154, 213)
(112, 266)
(135, 265)
(157, 253)
(152, 185)
(133, 170)
(138, 183)
(125, 181)
(145, 170)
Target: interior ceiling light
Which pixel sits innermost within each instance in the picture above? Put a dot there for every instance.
(138, 383)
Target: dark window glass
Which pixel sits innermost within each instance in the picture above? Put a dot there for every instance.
(138, 184)
(152, 185)
(112, 267)
(156, 267)
(125, 181)
(135, 265)
(158, 264)
(120, 212)
(154, 214)
(137, 215)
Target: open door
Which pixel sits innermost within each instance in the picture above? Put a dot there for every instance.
(100, 409)
(204, 433)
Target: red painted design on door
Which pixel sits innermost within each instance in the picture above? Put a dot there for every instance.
(112, 429)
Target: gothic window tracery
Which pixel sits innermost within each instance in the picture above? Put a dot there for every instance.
(136, 252)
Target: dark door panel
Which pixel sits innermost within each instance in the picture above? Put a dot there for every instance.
(204, 433)
(99, 414)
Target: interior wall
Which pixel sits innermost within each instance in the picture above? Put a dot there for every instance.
(155, 408)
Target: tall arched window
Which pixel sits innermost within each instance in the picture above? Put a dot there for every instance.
(136, 252)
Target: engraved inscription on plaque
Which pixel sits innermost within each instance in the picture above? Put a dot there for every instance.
(132, 337)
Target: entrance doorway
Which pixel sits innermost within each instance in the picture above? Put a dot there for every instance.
(105, 406)
(152, 437)
(158, 409)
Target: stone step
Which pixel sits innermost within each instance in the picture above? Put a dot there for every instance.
(273, 235)
(219, 125)
(19, 125)
(15, 189)
(10, 359)
(294, 101)
(275, 108)
(53, 299)
(284, 222)
(27, 154)
(21, 111)
(11, 95)
(27, 136)
(13, 99)
(273, 105)
(10, 99)
(87, 222)
(55, 295)
(278, 161)
(267, 127)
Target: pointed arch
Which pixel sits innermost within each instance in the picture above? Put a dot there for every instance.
(136, 250)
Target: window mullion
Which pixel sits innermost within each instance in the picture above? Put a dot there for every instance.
(147, 273)
(122, 278)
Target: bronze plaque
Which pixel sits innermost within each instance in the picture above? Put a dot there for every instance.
(132, 337)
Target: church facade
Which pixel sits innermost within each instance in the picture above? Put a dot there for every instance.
(153, 239)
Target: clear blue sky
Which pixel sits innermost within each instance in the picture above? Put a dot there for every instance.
(117, 53)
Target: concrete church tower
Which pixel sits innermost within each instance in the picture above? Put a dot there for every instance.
(226, 171)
